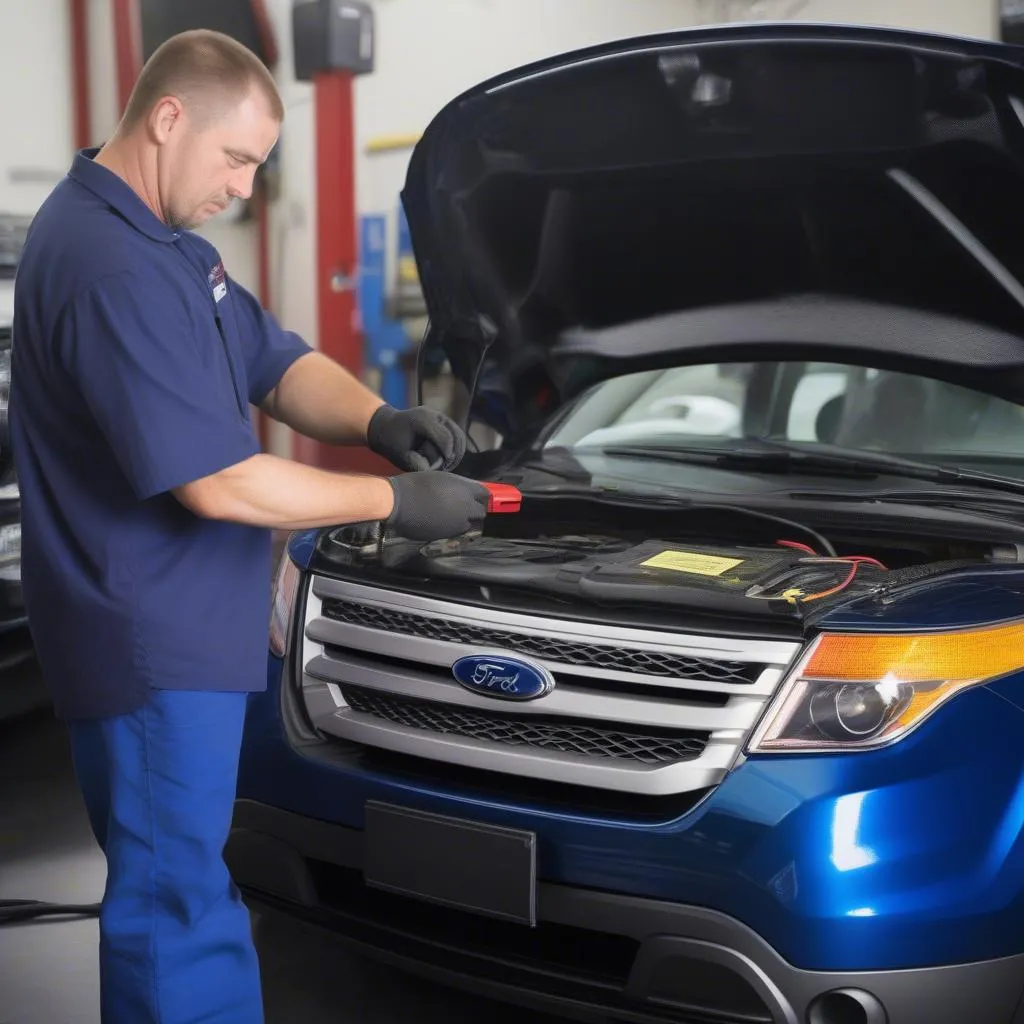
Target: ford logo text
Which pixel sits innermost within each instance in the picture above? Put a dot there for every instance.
(494, 675)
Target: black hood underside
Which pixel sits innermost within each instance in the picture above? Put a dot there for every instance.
(711, 168)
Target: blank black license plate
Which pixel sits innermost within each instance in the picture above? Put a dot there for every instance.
(481, 868)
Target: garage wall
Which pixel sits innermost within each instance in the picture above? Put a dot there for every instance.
(979, 18)
(35, 114)
(103, 99)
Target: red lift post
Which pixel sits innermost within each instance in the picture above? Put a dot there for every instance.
(335, 237)
(333, 42)
(78, 19)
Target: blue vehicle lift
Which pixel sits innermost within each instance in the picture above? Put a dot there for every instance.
(387, 341)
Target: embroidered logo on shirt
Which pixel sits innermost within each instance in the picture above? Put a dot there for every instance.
(218, 280)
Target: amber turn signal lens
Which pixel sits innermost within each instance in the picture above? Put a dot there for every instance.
(918, 658)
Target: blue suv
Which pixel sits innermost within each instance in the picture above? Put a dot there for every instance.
(726, 724)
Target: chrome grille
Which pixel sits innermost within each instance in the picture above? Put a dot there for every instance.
(652, 663)
(641, 711)
(565, 737)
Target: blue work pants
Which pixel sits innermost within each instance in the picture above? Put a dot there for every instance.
(159, 785)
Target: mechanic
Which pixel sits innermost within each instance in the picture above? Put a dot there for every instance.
(148, 508)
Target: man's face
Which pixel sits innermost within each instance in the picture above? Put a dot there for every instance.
(207, 165)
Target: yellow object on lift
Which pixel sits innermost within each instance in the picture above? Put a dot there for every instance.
(408, 272)
(391, 143)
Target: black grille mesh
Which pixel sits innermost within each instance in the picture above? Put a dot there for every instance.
(566, 652)
(564, 736)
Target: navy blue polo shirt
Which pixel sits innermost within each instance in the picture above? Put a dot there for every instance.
(135, 360)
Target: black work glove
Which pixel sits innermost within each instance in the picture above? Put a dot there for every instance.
(435, 506)
(416, 439)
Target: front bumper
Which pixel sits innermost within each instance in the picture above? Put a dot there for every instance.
(594, 954)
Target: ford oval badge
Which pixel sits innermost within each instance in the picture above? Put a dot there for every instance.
(495, 675)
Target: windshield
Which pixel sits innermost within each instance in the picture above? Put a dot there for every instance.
(856, 408)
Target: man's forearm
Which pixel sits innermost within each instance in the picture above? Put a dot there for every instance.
(320, 399)
(279, 494)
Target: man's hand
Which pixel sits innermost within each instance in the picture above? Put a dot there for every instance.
(436, 506)
(416, 439)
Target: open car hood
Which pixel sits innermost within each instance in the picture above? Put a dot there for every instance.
(836, 170)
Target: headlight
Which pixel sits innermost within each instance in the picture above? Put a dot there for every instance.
(863, 691)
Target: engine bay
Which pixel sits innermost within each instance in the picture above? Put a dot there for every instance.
(720, 562)
(658, 571)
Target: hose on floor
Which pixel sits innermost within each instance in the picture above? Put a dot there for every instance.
(16, 911)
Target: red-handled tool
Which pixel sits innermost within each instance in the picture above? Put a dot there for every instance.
(504, 498)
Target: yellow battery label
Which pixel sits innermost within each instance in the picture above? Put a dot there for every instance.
(692, 562)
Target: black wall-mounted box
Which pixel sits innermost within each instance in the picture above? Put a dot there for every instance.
(332, 35)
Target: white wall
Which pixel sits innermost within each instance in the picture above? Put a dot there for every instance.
(35, 110)
(103, 98)
(293, 253)
(979, 18)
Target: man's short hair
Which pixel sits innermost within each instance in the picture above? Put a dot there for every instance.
(207, 71)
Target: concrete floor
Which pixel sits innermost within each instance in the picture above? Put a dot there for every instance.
(47, 852)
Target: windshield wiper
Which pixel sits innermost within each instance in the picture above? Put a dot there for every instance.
(976, 500)
(916, 469)
(791, 457)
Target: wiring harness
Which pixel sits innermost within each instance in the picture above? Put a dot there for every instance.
(797, 595)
